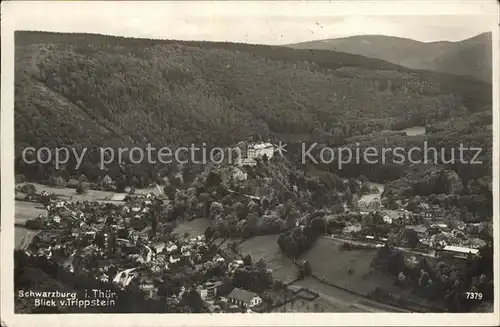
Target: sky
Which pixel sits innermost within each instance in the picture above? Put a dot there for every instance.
(263, 22)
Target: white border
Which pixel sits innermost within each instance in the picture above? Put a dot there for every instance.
(12, 10)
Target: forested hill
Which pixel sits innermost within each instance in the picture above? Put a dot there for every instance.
(472, 57)
(108, 91)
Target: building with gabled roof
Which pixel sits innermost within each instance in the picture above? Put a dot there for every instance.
(244, 298)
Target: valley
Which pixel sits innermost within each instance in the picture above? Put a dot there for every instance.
(272, 225)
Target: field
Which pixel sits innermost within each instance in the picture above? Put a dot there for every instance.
(266, 248)
(71, 192)
(331, 264)
(348, 269)
(25, 211)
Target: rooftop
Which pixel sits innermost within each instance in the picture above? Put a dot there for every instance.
(261, 146)
(242, 295)
(418, 229)
(460, 249)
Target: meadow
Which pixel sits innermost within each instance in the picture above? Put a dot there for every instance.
(266, 247)
(348, 269)
(24, 211)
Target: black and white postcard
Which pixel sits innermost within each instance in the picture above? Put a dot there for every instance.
(249, 163)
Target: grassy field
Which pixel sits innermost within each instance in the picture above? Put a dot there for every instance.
(266, 248)
(23, 237)
(348, 269)
(25, 211)
(71, 192)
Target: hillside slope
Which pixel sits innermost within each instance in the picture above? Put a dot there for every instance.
(105, 91)
(471, 57)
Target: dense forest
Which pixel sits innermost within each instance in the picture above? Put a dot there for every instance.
(81, 90)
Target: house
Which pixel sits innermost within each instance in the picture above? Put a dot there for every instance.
(259, 150)
(172, 260)
(107, 180)
(246, 162)
(238, 175)
(387, 219)
(235, 264)
(171, 247)
(136, 209)
(118, 197)
(218, 258)
(351, 229)
(208, 290)
(433, 212)
(203, 292)
(255, 151)
(158, 247)
(211, 287)
(458, 251)
(370, 239)
(436, 212)
(476, 243)
(244, 298)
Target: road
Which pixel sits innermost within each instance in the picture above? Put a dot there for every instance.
(345, 301)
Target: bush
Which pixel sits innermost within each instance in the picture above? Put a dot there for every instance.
(20, 178)
(57, 182)
(28, 188)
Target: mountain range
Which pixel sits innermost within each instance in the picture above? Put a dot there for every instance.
(471, 57)
(87, 90)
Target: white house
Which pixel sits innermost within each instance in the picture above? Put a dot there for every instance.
(171, 247)
(255, 151)
(387, 219)
(203, 292)
(244, 298)
(172, 260)
(459, 251)
(260, 149)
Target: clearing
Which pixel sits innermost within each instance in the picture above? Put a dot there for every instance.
(90, 195)
(24, 211)
(266, 247)
(350, 269)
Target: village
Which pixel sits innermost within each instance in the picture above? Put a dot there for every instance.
(120, 240)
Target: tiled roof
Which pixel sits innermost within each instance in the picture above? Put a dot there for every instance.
(242, 295)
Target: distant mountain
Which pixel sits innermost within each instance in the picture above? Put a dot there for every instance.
(471, 57)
